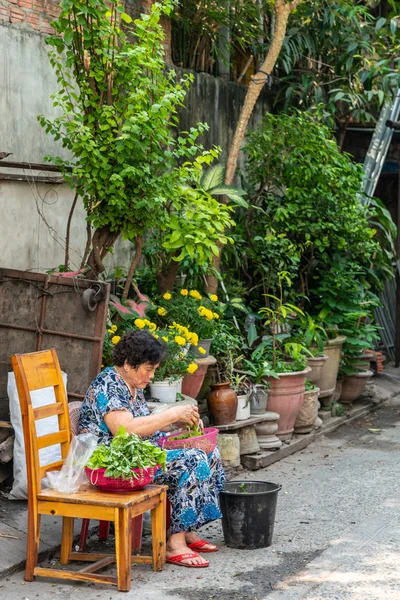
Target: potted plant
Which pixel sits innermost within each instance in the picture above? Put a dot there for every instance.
(307, 331)
(200, 314)
(222, 399)
(242, 387)
(287, 360)
(256, 368)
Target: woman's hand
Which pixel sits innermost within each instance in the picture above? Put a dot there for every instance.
(186, 414)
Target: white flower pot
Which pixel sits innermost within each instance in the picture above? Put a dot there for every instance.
(165, 391)
(243, 408)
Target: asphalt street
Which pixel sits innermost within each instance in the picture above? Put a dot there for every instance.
(336, 531)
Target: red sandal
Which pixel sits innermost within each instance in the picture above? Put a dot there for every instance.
(179, 558)
(199, 544)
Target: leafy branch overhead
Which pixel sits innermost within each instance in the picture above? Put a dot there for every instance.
(117, 118)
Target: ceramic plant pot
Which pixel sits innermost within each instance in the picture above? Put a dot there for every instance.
(165, 391)
(258, 399)
(222, 404)
(285, 397)
(243, 408)
(353, 386)
(205, 344)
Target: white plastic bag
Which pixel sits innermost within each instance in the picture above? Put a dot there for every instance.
(45, 426)
(72, 475)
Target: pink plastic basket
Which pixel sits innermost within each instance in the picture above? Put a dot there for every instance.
(108, 484)
(206, 442)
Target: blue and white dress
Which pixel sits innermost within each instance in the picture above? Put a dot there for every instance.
(194, 478)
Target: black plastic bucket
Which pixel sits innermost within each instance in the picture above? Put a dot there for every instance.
(248, 513)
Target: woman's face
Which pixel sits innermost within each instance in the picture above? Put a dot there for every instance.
(140, 376)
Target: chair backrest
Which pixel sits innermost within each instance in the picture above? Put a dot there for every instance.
(35, 371)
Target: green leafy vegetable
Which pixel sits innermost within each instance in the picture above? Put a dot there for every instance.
(191, 433)
(127, 451)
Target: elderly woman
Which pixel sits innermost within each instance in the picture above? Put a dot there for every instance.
(115, 397)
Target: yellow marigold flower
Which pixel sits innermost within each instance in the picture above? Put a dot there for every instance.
(139, 323)
(152, 327)
(192, 368)
(214, 298)
(193, 338)
(202, 350)
(167, 296)
(101, 366)
(180, 340)
(155, 336)
(115, 339)
(114, 328)
(164, 337)
(216, 315)
(161, 311)
(184, 292)
(195, 294)
(110, 330)
(146, 322)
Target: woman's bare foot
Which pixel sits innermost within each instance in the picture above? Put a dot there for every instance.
(177, 545)
(193, 537)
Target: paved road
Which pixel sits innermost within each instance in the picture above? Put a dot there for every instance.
(337, 533)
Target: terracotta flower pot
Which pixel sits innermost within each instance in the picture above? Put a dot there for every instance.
(308, 412)
(285, 397)
(192, 383)
(222, 404)
(353, 386)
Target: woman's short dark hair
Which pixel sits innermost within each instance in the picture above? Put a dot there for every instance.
(138, 347)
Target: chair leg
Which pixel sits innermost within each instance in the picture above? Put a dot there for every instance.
(32, 544)
(84, 534)
(123, 548)
(137, 529)
(158, 519)
(104, 530)
(67, 539)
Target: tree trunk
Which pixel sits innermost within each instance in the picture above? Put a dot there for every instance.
(134, 264)
(166, 281)
(102, 241)
(282, 12)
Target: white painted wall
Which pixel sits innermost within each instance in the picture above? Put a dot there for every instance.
(27, 239)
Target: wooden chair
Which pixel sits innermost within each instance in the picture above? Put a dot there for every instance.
(39, 370)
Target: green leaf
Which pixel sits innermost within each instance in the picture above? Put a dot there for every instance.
(212, 177)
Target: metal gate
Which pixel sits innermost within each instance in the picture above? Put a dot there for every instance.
(39, 311)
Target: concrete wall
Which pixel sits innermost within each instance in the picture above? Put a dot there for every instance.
(34, 216)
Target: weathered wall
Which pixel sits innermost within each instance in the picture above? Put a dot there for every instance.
(32, 229)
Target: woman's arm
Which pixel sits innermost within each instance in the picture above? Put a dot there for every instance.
(146, 426)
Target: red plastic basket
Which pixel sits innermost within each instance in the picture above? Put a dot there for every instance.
(206, 442)
(109, 484)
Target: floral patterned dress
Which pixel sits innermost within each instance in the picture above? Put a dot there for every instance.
(194, 478)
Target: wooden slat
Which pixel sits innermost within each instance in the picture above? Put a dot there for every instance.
(5, 425)
(99, 564)
(74, 575)
(80, 511)
(49, 410)
(92, 556)
(51, 439)
(40, 375)
(56, 466)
